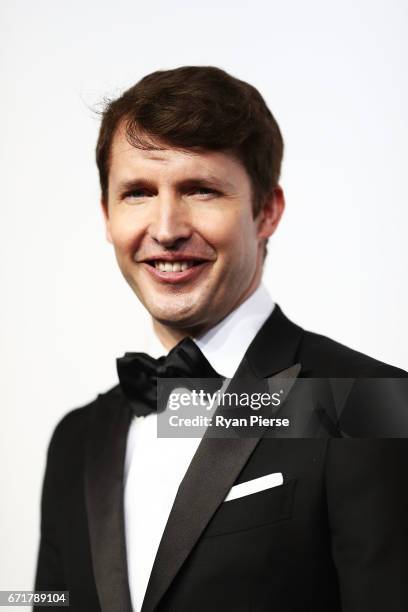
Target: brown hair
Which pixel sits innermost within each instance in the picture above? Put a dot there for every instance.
(201, 108)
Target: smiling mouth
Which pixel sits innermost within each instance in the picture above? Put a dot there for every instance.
(174, 266)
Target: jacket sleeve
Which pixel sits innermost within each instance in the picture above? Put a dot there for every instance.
(367, 496)
(50, 572)
(64, 562)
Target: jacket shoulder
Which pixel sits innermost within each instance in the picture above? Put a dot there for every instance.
(72, 428)
(323, 356)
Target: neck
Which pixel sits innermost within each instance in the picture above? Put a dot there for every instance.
(169, 336)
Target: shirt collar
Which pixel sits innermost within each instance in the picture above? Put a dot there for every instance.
(225, 344)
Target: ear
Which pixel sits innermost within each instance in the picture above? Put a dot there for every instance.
(105, 212)
(270, 215)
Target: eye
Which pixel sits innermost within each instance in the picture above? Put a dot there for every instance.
(204, 191)
(137, 194)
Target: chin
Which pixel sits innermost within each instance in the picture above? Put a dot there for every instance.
(168, 312)
(187, 317)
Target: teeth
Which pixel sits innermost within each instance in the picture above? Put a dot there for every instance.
(175, 266)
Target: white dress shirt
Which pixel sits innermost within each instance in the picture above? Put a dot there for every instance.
(154, 467)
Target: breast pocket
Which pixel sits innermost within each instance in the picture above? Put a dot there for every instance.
(254, 510)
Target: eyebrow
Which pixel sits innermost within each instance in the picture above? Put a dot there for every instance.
(199, 181)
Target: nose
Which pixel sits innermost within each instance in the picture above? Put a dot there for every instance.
(171, 223)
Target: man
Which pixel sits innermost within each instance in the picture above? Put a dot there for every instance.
(189, 162)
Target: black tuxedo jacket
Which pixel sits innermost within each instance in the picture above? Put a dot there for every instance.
(333, 537)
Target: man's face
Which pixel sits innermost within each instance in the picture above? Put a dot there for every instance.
(183, 231)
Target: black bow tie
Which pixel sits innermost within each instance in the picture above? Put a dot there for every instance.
(138, 373)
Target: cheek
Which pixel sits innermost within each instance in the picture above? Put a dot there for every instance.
(126, 235)
(233, 236)
(223, 227)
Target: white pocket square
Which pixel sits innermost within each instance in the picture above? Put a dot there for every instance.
(255, 485)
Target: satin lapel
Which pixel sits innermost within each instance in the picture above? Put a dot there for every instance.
(217, 462)
(274, 347)
(104, 500)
